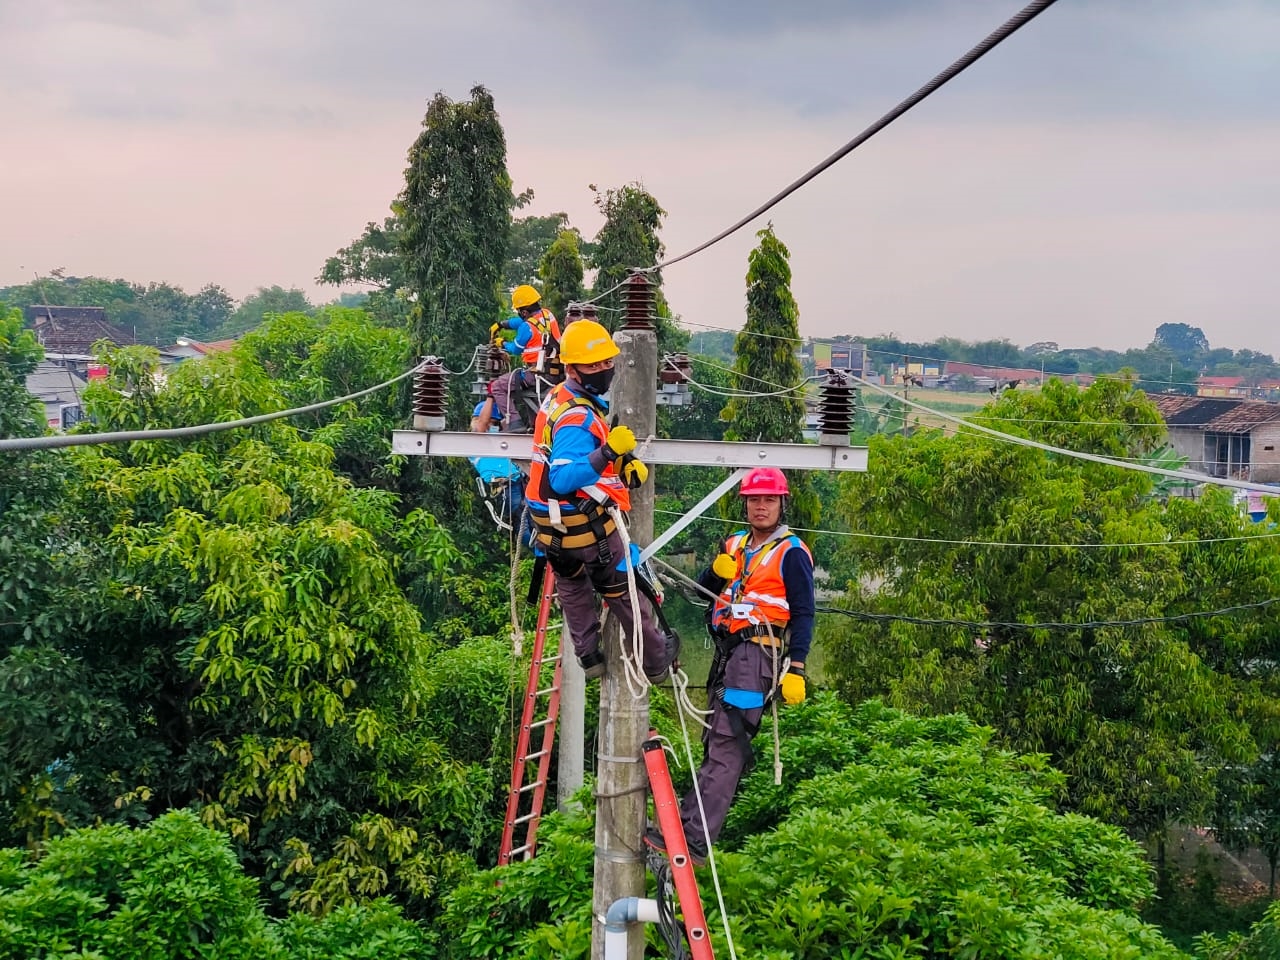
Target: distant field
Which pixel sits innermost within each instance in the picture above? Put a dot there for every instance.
(947, 401)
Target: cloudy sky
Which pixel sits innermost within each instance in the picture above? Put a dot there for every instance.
(1111, 167)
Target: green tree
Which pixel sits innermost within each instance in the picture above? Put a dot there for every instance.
(1141, 717)
(1184, 341)
(375, 260)
(248, 650)
(457, 222)
(256, 307)
(890, 836)
(560, 270)
(629, 241)
(531, 237)
(766, 366)
(334, 352)
(211, 307)
(172, 889)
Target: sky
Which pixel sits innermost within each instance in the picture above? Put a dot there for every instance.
(1110, 167)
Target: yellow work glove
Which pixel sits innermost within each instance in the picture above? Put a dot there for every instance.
(632, 470)
(793, 687)
(621, 440)
(724, 567)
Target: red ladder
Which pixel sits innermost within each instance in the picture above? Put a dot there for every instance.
(667, 812)
(528, 797)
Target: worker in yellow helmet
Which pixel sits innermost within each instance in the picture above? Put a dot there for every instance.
(537, 336)
(582, 468)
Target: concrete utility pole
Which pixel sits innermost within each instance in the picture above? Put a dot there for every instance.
(572, 730)
(624, 719)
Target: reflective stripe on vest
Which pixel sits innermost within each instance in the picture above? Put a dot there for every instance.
(544, 328)
(757, 594)
(561, 408)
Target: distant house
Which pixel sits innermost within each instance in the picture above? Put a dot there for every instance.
(1221, 387)
(188, 349)
(74, 330)
(59, 389)
(1223, 436)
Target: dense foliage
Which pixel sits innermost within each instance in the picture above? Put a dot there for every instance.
(173, 889)
(1142, 715)
(891, 836)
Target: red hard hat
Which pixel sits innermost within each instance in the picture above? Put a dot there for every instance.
(764, 481)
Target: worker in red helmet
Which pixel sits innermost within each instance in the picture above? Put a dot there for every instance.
(763, 614)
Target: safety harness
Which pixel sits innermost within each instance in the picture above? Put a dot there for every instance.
(590, 523)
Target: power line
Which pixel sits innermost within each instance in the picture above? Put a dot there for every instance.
(1051, 624)
(1077, 454)
(994, 39)
(857, 534)
(182, 433)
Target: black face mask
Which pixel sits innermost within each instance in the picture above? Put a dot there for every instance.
(598, 383)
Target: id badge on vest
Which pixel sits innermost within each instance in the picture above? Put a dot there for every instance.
(741, 611)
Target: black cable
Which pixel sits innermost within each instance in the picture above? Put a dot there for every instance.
(668, 926)
(181, 433)
(1048, 625)
(1007, 29)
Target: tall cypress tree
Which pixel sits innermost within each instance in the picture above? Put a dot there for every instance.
(456, 209)
(766, 363)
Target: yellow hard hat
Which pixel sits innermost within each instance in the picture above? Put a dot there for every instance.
(524, 296)
(586, 341)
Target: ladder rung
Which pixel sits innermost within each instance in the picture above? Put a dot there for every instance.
(525, 819)
(535, 756)
(519, 850)
(544, 692)
(532, 786)
(540, 723)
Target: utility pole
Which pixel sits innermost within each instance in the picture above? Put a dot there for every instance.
(572, 730)
(906, 382)
(624, 718)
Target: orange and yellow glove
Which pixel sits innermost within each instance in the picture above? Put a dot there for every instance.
(793, 686)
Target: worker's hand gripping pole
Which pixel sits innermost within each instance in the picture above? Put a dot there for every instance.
(667, 811)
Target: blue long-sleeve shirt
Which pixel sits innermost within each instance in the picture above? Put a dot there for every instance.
(797, 578)
(576, 460)
(524, 333)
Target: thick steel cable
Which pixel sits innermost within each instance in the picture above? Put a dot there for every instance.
(182, 433)
(994, 39)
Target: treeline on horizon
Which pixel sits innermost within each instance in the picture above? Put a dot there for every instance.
(159, 313)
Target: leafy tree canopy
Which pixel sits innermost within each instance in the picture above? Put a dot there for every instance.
(890, 836)
(1141, 718)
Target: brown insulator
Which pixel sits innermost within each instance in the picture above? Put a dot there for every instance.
(836, 407)
(637, 295)
(429, 389)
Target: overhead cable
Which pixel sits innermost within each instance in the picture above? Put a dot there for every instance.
(1077, 454)
(1000, 34)
(862, 535)
(182, 433)
(1051, 624)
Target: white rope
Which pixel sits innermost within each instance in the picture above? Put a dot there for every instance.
(632, 658)
(711, 854)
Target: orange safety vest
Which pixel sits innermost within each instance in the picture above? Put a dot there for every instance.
(569, 519)
(757, 594)
(545, 330)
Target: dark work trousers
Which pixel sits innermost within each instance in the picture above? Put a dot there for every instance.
(750, 667)
(577, 594)
(507, 394)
